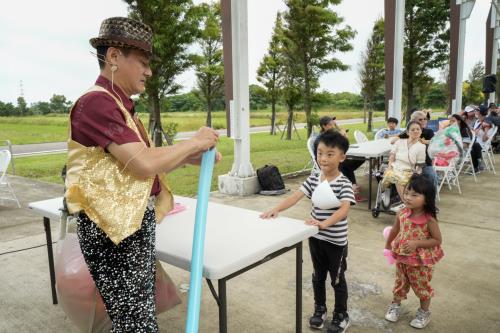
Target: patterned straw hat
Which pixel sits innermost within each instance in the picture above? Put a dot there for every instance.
(124, 32)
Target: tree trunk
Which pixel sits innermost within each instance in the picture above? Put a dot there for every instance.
(307, 100)
(157, 128)
(370, 119)
(273, 117)
(209, 114)
(364, 111)
(289, 123)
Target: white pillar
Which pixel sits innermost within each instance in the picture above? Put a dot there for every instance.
(397, 83)
(241, 180)
(466, 7)
(242, 167)
(495, 23)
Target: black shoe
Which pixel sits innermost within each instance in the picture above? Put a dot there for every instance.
(318, 318)
(340, 323)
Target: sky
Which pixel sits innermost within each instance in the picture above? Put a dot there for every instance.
(45, 45)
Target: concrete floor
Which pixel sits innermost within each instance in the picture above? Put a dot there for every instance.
(467, 280)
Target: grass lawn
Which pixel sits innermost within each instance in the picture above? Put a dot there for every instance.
(288, 156)
(54, 127)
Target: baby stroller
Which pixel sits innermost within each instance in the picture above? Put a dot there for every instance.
(386, 196)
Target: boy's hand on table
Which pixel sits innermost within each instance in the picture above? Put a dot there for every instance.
(273, 213)
(315, 223)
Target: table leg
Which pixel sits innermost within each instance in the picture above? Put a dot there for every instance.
(48, 234)
(298, 290)
(222, 306)
(370, 165)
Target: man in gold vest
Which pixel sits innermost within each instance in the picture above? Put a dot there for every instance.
(114, 183)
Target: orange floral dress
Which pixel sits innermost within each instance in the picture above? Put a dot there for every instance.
(414, 228)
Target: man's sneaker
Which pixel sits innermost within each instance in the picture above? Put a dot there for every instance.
(392, 313)
(340, 323)
(318, 318)
(422, 319)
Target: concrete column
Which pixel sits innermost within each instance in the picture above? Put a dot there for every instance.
(241, 180)
(492, 39)
(228, 58)
(394, 50)
(460, 12)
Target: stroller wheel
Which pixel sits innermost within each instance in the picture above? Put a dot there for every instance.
(375, 212)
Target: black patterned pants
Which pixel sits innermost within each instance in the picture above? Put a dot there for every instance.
(123, 274)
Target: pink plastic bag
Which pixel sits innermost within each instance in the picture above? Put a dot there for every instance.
(79, 297)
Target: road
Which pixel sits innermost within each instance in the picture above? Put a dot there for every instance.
(60, 147)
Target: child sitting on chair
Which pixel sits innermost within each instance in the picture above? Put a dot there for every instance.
(331, 195)
(390, 131)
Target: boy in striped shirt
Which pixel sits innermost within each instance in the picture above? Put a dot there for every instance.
(331, 195)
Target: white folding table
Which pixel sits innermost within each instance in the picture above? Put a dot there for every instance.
(237, 240)
(370, 150)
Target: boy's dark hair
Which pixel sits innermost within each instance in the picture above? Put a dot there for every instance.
(392, 120)
(333, 139)
(423, 185)
(101, 54)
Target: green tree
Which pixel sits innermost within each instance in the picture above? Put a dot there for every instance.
(472, 87)
(208, 65)
(59, 104)
(7, 109)
(40, 108)
(371, 70)
(316, 36)
(435, 96)
(292, 82)
(22, 107)
(175, 27)
(259, 98)
(270, 69)
(426, 45)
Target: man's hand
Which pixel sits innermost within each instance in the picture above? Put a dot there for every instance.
(205, 138)
(273, 213)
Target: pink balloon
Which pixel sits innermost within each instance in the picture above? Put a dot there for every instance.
(386, 232)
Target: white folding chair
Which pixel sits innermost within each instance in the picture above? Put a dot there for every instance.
(360, 136)
(467, 159)
(378, 134)
(487, 153)
(310, 149)
(449, 174)
(6, 191)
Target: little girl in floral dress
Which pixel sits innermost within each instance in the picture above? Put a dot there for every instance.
(415, 241)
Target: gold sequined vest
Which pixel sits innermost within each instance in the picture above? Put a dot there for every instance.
(111, 196)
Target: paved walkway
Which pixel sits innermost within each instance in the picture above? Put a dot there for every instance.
(59, 147)
(262, 300)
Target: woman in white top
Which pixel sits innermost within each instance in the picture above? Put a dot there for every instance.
(407, 157)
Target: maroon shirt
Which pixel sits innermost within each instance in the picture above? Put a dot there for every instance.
(96, 120)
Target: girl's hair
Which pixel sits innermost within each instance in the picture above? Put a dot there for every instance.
(411, 123)
(421, 184)
(462, 124)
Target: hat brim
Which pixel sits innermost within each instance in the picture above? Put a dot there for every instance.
(96, 42)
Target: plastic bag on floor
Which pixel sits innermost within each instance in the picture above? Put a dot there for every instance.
(79, 297)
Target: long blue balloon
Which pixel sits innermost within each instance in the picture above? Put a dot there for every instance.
(193, 315)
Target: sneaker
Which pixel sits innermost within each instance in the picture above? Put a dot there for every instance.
(392, 313)
(422, 319)
(397, 208)
(339, 324)
(318, 318)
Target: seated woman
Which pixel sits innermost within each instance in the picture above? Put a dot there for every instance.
(407, 157)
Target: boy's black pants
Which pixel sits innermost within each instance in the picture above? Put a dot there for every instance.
(329, 258)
